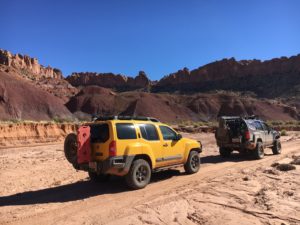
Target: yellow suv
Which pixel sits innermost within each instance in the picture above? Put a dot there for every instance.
(133, 147)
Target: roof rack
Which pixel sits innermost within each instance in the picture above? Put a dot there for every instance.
(252, 117)
(143, 118)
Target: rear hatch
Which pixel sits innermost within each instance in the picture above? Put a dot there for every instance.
(231, 130)
(100, 141)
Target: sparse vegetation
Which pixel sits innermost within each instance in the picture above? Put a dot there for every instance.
(54, 121)
(296, 160)
(62, 120)
(196, 124)
(275, 123)
(290, 125)
(283, 132)
(283, 166)
(275, 164)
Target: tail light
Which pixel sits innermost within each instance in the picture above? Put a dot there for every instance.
(247, 135)
(112, 148)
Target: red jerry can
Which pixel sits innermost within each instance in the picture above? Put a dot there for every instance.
(84, 145)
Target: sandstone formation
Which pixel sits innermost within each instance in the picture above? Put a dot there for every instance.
(58, 87)
(171, 107)
(29, 66)
(271, 78)
(22, 100)
(46, 78)
(110, 80)
(31, 91)
(20, 134)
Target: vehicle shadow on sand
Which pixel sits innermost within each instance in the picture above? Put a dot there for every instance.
(234, 157)
(77, 191)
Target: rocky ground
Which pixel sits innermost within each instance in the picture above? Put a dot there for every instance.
(38, 186)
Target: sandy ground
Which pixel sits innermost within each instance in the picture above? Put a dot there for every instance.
(38, 186)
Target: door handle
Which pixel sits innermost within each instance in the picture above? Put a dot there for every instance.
(165, 145)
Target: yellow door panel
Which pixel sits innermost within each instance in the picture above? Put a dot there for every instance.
(173, 149)
(149, 137)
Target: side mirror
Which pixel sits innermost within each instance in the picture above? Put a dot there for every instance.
(178, 137)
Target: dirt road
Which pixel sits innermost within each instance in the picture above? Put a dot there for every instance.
(38, 186)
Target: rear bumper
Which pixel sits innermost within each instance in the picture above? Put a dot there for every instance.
(117, 165)
(249, 145)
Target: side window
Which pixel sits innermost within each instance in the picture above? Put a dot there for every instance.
(126, 131)
(149, 132)
(251, 125)
(258, 125)
(265, 126)
(167, 133)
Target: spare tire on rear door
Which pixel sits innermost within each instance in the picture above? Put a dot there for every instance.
(70, 149)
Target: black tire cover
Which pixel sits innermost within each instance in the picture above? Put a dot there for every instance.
(70, 148)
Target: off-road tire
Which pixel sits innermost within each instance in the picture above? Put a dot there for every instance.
(276, 149)
(225, 152)
(192, 164)
(139, 174)
(259, 151)
(70, 149)
(94, 177)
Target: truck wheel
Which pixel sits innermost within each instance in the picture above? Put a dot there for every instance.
(98, 177)
(139, 174)
(276, 149)
(225, 152)
(193, 163)
(259, 151)
(70, 149)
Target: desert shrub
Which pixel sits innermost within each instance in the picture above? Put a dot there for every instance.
(11, 121)
(62, 120)
(275, 164)
(296, 160)
(276, 123)
(291, 123)
(283, 132)
(285, 167)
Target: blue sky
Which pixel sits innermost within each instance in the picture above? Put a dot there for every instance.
(157, 36)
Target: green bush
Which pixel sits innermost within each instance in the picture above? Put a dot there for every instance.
(283, 132)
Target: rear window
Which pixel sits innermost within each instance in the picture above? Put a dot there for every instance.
(149, 132)
(126, 131)
(99, 133)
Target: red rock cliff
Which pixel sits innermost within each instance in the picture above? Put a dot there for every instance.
(110, 80)
(266, 78)
(28, 64)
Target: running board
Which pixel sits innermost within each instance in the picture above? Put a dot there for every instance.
(167, 167)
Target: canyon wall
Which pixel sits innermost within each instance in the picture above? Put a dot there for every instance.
(34, 133)
(272, 78)
(110, 80)
(29, 65)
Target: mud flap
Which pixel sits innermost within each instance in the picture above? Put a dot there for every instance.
(84, 145)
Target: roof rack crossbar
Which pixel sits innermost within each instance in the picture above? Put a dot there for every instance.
(143, 118)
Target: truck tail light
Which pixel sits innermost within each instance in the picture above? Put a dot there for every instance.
(112, 148)
(247, 135)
